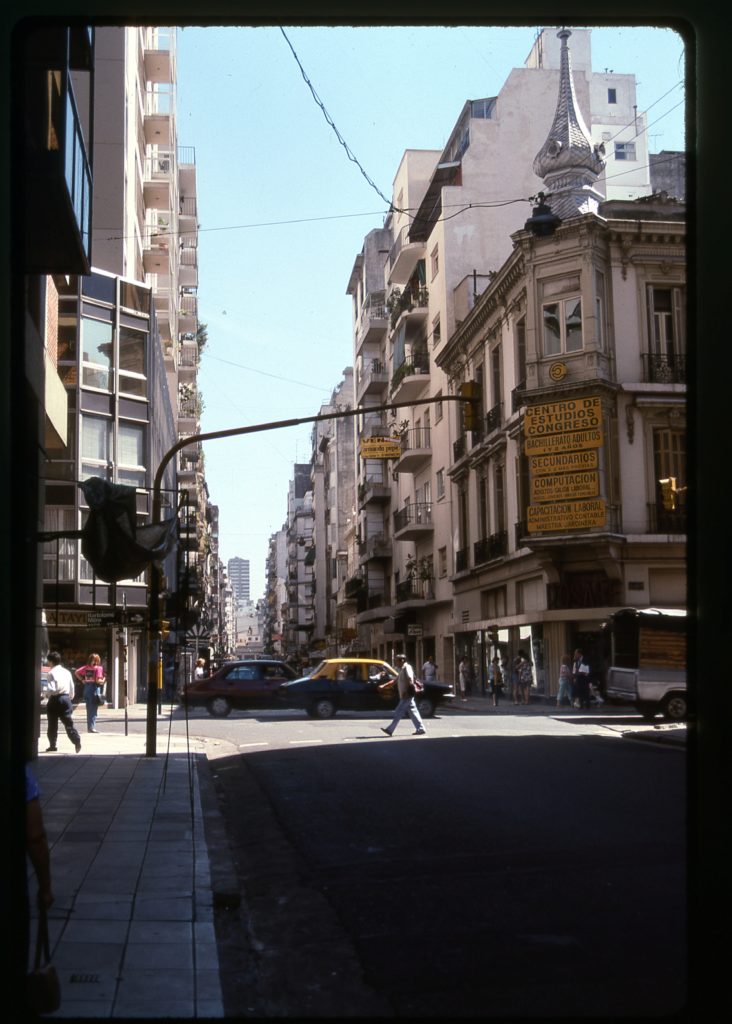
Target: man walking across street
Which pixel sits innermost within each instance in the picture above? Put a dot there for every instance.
(59, 706)
(407, 690)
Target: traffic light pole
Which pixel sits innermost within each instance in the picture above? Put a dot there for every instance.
(155, 571)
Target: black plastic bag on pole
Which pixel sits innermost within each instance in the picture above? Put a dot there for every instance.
(112, 542)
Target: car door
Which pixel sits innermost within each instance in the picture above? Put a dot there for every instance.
(245, 686)
(272, 676)
(350, 684)
(378, 696)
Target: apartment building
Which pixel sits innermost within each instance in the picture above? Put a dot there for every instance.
(299, 611)
(275, 601)
(333, 488)
(128, 349)
(52, 189)
(414, 282)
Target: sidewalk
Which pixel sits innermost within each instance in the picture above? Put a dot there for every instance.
(622, 719)
(132, 924)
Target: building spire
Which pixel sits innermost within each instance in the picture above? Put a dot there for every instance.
(568, 161)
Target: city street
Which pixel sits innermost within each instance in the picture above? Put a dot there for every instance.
(509, 863)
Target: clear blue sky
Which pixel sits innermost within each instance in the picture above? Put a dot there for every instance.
(283, 211)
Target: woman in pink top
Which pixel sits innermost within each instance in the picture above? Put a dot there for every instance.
(93, 678)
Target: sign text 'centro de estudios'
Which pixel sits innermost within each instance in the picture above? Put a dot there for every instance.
(561, 440)
(381, 448)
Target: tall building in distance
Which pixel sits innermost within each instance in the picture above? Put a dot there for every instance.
(238, 570)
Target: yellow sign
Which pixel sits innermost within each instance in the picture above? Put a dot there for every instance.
(563, 462)
(568, 416)
(566, 515)
(563, 442)
(562, 486)
(558, 371)
(381, 448)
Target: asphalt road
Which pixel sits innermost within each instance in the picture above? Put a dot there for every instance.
(501, 866)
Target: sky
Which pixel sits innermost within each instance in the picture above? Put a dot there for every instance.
(283, 209)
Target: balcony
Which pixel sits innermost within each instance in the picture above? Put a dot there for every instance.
(403, 257)
(188, 359)
(158, 114)
(664, 369)
(413, 522)
(373, 320)
(159, 59)
(373, 491)
(412, 303)
(157, 187)
(411, 379)
(188, 269)
(495, 546)
(415, 591)
(374, 548)
(461, 560)
(666, 520)
(416, 450)
(373, 378)
(156, 249)
(188, 312)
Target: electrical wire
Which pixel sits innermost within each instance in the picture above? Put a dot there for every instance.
(330, 121)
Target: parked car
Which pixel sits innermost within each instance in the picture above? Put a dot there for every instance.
(240, 685)
(353, 684)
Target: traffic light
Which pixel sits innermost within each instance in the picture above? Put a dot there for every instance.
(470, 389)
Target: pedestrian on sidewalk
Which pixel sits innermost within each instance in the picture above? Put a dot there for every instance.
(496, 681)
(581, 678)
(59, 706)
(525, 678)
(429, 670)
(565, 682)
(406, 705)
(93, 677)
(464, 674)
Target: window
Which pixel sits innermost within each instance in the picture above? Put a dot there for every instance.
(520, 351)
(442, 561)
(612, 96)
(499, 491)
(435, 262)
(97, 339)
(438, 407)
(496, 382)
(132, 378)
(96, 436)
(440, 483)
(59, 520)
(669, 457)
(436, 332)
(483, 505)
(625, 151)
(562, 318)
(600, 329)
(666, 321)
(131, 455)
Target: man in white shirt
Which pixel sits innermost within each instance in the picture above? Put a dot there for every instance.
(429, 670)
(405, 686)
(60, 706)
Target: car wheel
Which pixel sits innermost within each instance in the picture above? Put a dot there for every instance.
(219, 707)
(425, 706)
(675, 708)
(322, 708)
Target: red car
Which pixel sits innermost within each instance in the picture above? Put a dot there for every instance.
(239, 685)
